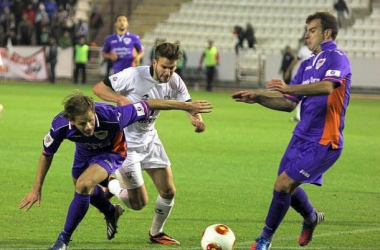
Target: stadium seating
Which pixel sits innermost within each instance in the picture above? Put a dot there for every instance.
(276, 24)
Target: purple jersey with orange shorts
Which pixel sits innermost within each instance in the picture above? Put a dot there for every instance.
(318, 138)
(125, 46)
(107, 146)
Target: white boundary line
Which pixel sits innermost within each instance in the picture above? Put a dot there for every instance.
(247, 244)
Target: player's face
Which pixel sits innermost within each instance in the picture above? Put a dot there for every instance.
(163, 69)
(314, 36)
(121, 24)
(85, 123)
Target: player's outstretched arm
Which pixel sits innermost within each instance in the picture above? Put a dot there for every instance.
(193, 107)
(106, 93)
(35, 194)
(272, 102)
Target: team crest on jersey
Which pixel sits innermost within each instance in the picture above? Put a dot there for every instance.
(127, 40)
(48, 140)
(114, 78)
(320, 63)
(101, 134)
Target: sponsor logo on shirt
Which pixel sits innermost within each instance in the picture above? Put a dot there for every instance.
(139, 109)
(48, 140)
(311, 80)
(333, 73)
(308, 67)
(101, 134)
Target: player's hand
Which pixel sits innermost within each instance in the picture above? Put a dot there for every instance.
(278, 85)
(247, 96)
(30, 199)
(199, 106)
(113, 56)
(199, 125)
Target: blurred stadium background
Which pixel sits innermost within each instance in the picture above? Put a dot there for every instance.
(192, 22)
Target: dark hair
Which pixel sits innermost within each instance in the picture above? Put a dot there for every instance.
(328, 21)
(169, 51)
(120, 16)
(77, 104)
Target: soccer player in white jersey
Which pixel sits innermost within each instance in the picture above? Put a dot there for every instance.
(145, 150)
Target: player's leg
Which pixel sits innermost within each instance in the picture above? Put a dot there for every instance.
(129, 187)
(278, 208)
(84, 185)
(163, 180)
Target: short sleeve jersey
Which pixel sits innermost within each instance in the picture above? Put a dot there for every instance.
(108, 136)
(323, 116)
(138, 84)
(124, 46)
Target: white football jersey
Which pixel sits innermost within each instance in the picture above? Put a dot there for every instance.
(137, 84)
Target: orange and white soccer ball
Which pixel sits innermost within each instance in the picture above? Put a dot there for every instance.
(218, 237)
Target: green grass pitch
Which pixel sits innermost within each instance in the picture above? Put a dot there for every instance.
(225, 174)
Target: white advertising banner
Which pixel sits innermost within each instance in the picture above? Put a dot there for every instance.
(32, 67)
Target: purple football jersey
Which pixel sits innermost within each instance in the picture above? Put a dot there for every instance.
(108, 136)
(124, 46)
(323, 116)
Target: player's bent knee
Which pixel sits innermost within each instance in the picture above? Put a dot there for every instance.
(168, 194)
(83, 186)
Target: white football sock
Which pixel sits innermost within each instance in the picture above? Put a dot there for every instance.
(119, 192)
(162, 212)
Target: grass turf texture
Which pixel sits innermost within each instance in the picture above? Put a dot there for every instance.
(224, 175)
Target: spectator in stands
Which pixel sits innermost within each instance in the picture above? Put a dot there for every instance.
(120, 47)
(4, 3)
(42, 20)
(60, 18)
(287, 64)
(3, 37)
(65, 40)
(12, 35)
(51, 7)
(181, 63)
(80, 30)
(249, 35)
(7, 19)
(239, 33)
(211, 58)
(31, 14)
(341, 6)
(96, 22)
(81, 59)
(52, 56)
(25, 30)
(45, 36)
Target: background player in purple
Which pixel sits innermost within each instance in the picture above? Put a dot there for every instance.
(323, 84)
(124, 49)
(97, 130)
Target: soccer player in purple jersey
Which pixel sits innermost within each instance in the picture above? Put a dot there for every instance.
(124, 49)
(323, 84)
(97, 130)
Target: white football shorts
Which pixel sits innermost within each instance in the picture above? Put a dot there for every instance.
(150, 156)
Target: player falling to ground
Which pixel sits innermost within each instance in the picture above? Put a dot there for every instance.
(97, 130)
(323, 84)
(145, 150)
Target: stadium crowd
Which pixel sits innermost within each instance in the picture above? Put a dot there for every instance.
(34, 22)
